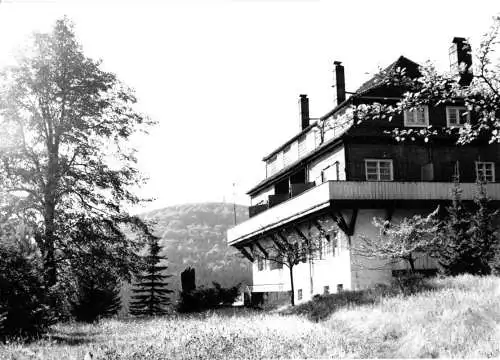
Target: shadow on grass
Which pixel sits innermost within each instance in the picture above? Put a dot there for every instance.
(73, 338)
(322, 306)
(227, 311)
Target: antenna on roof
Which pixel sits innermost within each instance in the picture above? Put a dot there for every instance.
(234, 202)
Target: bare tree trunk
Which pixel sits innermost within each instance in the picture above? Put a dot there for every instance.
(292, 297)
(49, 221)
(411, 261)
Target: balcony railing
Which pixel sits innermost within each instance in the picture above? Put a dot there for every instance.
(273, 200)
(319, 197)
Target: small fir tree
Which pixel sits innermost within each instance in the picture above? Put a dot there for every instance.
(453, 237)
(151, 295)
(468, 238)
(98, 296)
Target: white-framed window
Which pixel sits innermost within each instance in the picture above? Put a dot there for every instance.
(378, 170)
(261, 264)
(456, 116)
(418, 117)
(326, 249)
(485, 171)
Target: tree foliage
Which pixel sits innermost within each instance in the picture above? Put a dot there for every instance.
(65, 163)
(206, 298)
(403, 241)
(24, 309)
(151, 295)
(98, 296)
(433, 88)
(468, 238)
(290, 248)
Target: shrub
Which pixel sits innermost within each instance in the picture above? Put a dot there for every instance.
(409, 283)
(98, 296)
(24, 309)
(207, 298)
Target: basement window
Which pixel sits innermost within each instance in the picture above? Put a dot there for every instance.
(457, 116)
(299, 294)
(378, 170)
(485, 171)
(326, 290)
(417, 118)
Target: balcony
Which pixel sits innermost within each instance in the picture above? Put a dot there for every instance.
(319, 198)
(273, 200)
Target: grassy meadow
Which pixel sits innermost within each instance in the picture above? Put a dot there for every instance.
(452, 317)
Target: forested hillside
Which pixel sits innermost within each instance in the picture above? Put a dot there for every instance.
(195, 235)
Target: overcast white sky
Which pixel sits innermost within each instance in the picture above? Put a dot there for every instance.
(222, 78)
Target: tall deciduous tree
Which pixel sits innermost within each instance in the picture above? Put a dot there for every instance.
(65, 163)
(151, 294)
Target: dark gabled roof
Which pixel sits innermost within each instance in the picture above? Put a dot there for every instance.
(411, 70)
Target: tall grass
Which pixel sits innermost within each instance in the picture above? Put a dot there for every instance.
(460, 317)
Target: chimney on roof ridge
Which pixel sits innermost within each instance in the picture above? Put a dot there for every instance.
(461, 60)
(304, 111)
(339, 82)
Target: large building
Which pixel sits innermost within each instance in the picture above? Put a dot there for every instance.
(338, 173)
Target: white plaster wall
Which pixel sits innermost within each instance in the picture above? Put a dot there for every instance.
(342, 266)
(331, 271)
(263, 195)
(368, 272)
(315, 167)
(293, 153)
(311, 139)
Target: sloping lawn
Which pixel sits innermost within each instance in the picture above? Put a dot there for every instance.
(459, 317)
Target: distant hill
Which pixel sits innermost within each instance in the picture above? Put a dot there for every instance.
(195, 235)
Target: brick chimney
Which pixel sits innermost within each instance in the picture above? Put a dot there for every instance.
(461, 60)
(339, 82)
(304, 111)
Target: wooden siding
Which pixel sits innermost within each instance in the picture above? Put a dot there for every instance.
(409, 158)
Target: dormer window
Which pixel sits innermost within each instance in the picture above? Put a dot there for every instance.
(456, 116)
(417, 118)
